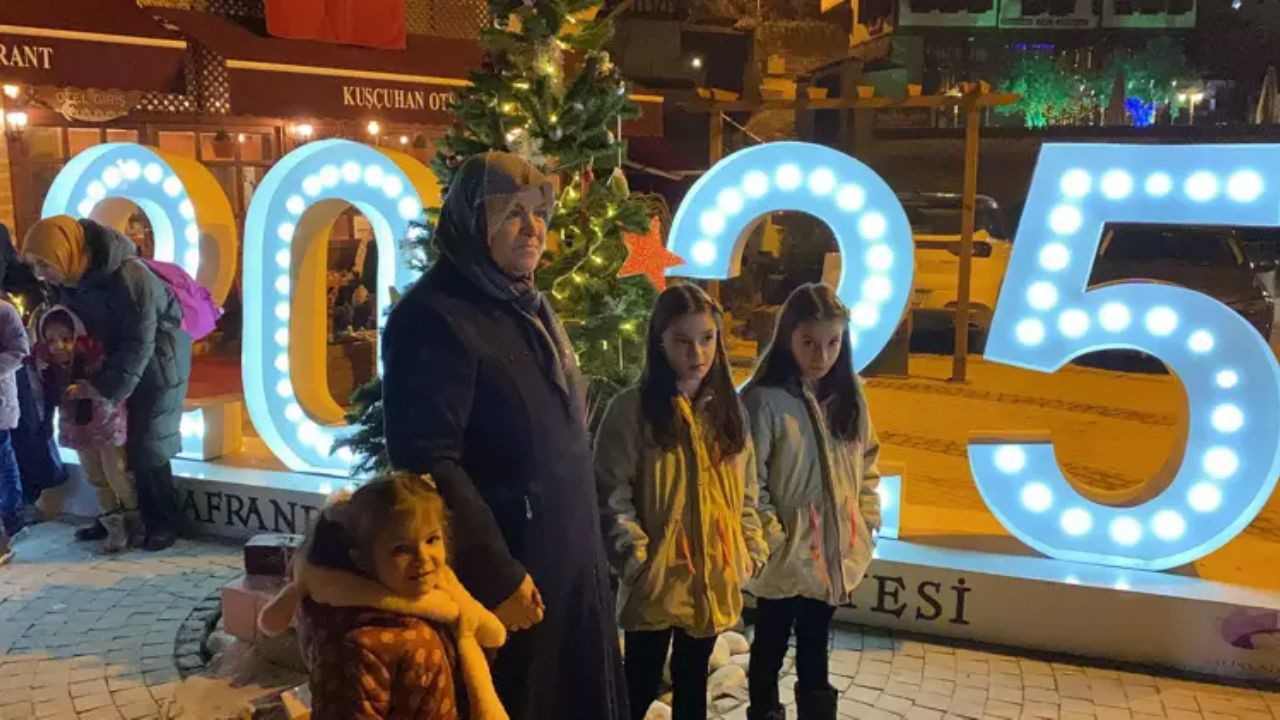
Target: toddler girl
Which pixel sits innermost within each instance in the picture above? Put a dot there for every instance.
(386, 628)
(677, 478)
(817, 456)
(66, 357)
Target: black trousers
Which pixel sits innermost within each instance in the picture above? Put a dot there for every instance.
(646, 653)
(158, 500)
(774, 621)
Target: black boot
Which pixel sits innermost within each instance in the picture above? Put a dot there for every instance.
(819, 704)
(91, 533)
(775, 713)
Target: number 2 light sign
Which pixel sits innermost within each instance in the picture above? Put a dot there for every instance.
(1048, 316)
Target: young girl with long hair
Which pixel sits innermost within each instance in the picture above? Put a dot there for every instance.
(683, 524)
(817, 453)
(386, 629)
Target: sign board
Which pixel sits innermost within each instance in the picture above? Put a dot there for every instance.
(141, 64)
(1013, 14)
(910, 17)
(904, 118)
(1173, 621)
(88, 105)
(1113, 18)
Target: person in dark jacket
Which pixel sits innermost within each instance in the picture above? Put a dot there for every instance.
(148, 363)
(38, 461)
(482, 390)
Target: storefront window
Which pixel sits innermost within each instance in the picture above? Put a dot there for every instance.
(180, 143)
(226, 177)
(257, 147)
(250, 176)
(352, 310)
(116, 136)
(79, 139)
(139, 231)
(45, 143)
(217, 147)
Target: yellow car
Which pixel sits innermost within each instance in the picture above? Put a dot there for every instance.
(935, 227)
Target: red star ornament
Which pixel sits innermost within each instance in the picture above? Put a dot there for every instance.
(646, 255)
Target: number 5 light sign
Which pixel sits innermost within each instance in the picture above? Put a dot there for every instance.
(1047, 316)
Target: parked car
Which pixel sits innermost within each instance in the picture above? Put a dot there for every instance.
(1209, 260)
(935, 226)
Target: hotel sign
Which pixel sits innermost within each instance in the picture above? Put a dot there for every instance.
(281, 93)
(393, 98)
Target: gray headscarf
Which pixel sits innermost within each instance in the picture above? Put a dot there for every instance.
(479, 196)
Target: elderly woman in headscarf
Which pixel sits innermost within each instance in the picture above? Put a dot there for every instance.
(481, 390)
(148, 356)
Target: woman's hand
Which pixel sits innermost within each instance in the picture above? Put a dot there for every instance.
(523, 609)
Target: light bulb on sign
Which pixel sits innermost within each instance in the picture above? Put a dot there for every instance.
(12, 91)
(374, 128)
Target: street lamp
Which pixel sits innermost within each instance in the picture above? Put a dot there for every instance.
(15, 124)
(1190, 99)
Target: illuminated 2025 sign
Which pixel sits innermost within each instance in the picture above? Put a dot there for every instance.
(1046, 316)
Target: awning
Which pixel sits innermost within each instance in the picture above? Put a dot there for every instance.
(298, 78)
(100, 44)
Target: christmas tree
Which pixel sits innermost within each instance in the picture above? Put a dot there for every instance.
(548, 91)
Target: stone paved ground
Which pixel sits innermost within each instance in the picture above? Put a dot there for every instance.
(92, 638)
(882, 677)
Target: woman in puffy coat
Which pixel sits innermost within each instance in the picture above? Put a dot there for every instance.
(817, 452)
(148, 363)
(682, 522)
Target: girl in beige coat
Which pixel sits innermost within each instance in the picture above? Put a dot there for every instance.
(682, 522)
(817, 454)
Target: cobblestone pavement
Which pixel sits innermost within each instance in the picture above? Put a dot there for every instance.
(92, 638)
(82, 636)
(882, 677)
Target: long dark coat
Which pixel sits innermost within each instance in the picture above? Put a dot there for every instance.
(148, 364)
(468, 399)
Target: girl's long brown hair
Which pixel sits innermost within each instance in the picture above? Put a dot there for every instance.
(814, 301)
(717, 399)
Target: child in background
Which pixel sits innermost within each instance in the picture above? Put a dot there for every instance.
(13, 350)
(817, 453)
(678, 486)
(386, 628)
(66, 357)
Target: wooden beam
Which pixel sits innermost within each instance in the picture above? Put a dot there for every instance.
(716, 137)
(969, 202)
(875, 103)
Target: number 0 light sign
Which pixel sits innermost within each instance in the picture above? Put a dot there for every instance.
(286, 232)
(1047, 316)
